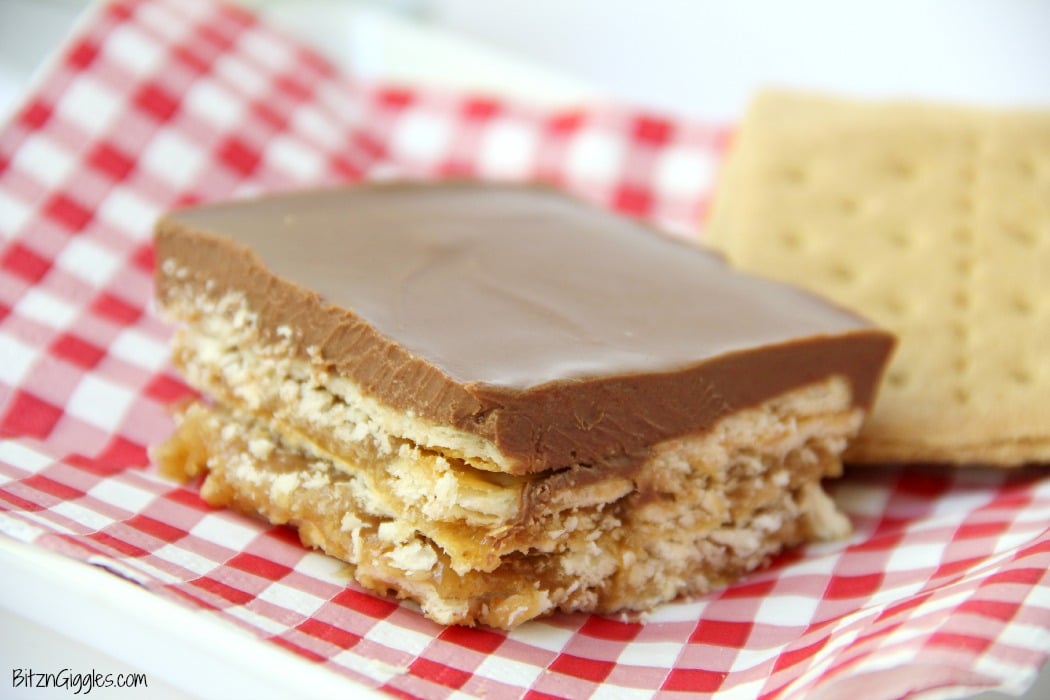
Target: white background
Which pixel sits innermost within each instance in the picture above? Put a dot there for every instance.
(706, 57)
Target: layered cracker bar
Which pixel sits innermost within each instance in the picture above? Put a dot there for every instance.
(497, 401)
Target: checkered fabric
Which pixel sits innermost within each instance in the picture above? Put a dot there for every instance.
(154, 103)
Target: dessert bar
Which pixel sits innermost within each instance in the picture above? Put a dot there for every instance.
(498, 401)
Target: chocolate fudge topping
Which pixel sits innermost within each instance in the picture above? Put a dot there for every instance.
(564, 333)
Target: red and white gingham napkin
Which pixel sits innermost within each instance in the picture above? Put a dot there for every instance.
(155, 103)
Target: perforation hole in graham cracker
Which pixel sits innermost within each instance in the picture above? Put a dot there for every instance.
(842, 273)
(851, 206)
(1028, 168)
(895, 305)
(792, 239)
(902, 168)
(1022, 234)
(898, 378)
(899, 238)
(1021, 305)
(795, 174)
(961, 394)
(1021, 375)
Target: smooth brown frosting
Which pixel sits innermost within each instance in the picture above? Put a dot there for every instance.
(562, 332)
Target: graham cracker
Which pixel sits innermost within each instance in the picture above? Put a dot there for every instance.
(933, 221)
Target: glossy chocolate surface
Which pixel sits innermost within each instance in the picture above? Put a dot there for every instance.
(564, 333)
